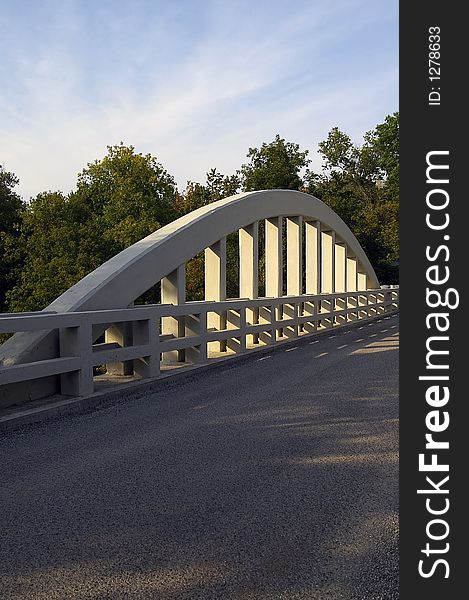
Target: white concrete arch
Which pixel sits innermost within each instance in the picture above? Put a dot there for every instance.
(126, 276)
(161, 256)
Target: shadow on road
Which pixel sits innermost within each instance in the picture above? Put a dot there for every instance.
(278, 481)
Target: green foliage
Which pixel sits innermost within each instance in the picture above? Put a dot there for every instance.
(50, 237)
(361, 184)
(118, 200)
(11, 207)
(128, 196)
(195, 269)
(50, 244)
(276, 165)
(196, 195)
(217, 186)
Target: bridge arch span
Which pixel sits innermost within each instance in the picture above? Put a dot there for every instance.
(334, 262)
(129, 274)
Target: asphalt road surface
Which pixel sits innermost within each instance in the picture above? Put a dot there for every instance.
(274, 477)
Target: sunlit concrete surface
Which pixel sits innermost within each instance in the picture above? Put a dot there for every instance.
(273, 478)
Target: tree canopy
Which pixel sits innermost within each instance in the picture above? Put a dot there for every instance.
(119, 199)
(11, 208)
(276, 165)
(361, 184)
(49, 244)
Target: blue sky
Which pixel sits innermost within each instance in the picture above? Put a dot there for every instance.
(194, 82)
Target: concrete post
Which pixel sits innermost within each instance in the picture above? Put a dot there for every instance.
(173, 291)
(362, 282)
(294, 271)
(327, 261)
(249, 269)
(352, 286)
(77, 341)
(236, 320)
(215, 284)
(294, 256)
(196, 325)
(249, 261)
(120, 333)
(313, 257)
(274, 263)
(147, 332)
(340, 279)
(362, 299)
(273, 258)
(352, 274)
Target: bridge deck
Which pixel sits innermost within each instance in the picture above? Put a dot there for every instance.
(274, 478)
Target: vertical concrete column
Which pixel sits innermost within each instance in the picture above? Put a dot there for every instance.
(196, 326)
(340, 271)
(294, 270)
(294, 256)
(352, 274)
(215, 271)
(327, 261)
(146, 332)
(327, 275)
(352, 286)
(120, 333)
(362, 281)
(313, 257)
(273, 258)
(77, 341)
(249, 261)
(362, 299)
(215, 283)
(340, 279)
(173, 291)
(249, 269)
(267, 318)
(274, 263)
(236, 321)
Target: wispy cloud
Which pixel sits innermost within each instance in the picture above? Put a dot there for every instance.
(195, 83)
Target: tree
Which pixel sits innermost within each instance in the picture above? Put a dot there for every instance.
(11, 207)
(361, 184)
(195, 195)
(51, 232)
(384, 140)
(217, 186)
(119, 200)
(276, 165)
(127, 195)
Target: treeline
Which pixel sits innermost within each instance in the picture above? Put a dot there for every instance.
(50, 243)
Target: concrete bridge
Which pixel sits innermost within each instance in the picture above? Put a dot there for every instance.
(319, 279)
(271, 475)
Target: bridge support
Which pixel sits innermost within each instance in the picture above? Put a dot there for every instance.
(248, 270)
(352, 285)
(274, 263)
(76, 341)
(294, 271)
(294, 256)
(340, 279)
(327, 263)
(352, 274)
(215, 285)
(327, 273)
(120, 333)
(173, 291)
(313, 257)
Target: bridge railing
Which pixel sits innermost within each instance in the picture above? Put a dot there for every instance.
(201, 332)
